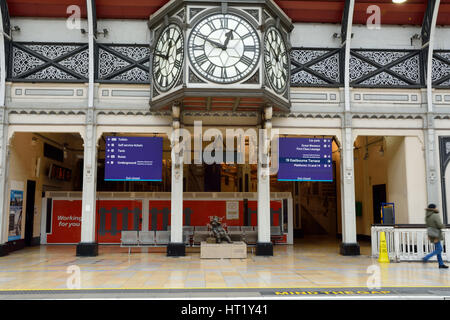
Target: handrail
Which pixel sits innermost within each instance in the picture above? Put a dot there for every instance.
(407, 242)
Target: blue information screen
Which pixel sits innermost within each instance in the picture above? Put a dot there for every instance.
(305, 159)
(133, 159)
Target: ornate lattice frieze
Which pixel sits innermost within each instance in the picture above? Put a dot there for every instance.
(304, 77)
(51, 73)
(382, 57)
(359, 68)
(78, 63)
(51, 51)
(315, 67)
(383, 79)
(385, 68)
(123, 63)
(441, 69)
(109, 63)
(24, 62)
(328, 67)
(133, 75)
(49, 62)
(305, 56)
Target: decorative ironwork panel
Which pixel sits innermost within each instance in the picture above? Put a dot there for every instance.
(441, 69)
(123, 63)
(386, 68)
(315, 67)
(49, 62)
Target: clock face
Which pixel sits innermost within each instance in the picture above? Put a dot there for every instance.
(224, 48)
(276, 60)
(168, 57)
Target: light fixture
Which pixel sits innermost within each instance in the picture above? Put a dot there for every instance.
(381, 151)
(65, 150)
(399, 1)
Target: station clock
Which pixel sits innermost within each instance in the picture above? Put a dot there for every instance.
(276, 60)
(168, 57)
(224, 48)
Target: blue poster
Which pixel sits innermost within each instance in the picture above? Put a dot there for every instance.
(15, 215)
(133, 158)
(305, 159)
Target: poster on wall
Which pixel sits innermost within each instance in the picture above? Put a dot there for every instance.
(305, 159)
(15, 215)
(133, 158)
(232, 210)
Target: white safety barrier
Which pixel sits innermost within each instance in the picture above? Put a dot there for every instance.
(408, 243)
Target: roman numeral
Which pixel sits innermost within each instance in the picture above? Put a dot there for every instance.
(246, 36)
(224, 23)
(197, 47)
(249, 48)
(246, 60)
(202, 59)
(180, 50)
(177, 64)
(211, 68)
(211, 25)
(223, 73)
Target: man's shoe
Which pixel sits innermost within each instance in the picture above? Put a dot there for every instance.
(443, 266)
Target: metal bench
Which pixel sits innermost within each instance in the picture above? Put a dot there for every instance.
(146, 238)
(162, 237)
(200, 236)
(235, 233)
(251, 237)
(129, 239)
(188, 234)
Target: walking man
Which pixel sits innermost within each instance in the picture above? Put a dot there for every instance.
(434, 224)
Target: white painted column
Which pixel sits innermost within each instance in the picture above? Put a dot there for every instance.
(176, 246)
(264, 245)
(290, 238)
(88, 245)
(145, 214)
(4, 190)
(349, 244)
(431, 151)
(4, 203)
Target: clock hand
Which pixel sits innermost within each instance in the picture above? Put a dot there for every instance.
(168, 50)
(229, 36)
(273, 52)
(217, 44)
(160, 55)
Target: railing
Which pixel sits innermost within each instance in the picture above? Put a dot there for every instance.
(407, 242)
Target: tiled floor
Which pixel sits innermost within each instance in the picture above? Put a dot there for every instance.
(311, 263)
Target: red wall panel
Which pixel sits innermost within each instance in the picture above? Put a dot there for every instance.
(66, 222)
(113, 216)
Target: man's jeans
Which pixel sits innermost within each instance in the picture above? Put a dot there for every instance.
(437, 251)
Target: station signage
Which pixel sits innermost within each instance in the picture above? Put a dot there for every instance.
(305, 159)
(133, 158)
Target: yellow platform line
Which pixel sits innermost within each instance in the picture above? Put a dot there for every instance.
(218, 288)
